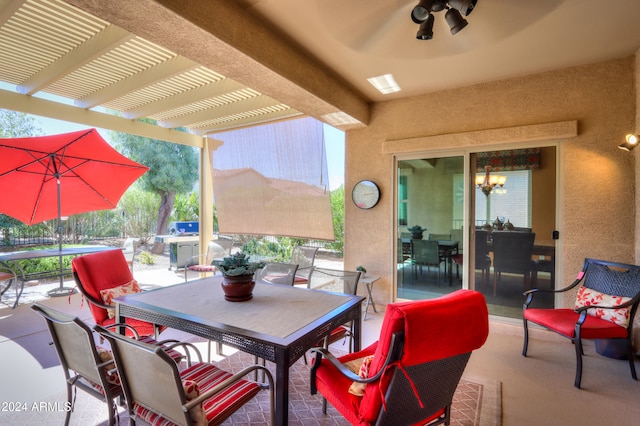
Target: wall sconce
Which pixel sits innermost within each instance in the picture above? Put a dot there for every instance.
(631, 141)
(487, 182)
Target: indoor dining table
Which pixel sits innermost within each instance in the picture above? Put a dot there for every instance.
(280, 323)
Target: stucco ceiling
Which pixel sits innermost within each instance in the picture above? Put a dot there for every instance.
(359, 39)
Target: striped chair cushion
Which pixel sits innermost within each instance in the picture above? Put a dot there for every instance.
(202, 268)
(217, 408)
(113, 378)
(175, 355)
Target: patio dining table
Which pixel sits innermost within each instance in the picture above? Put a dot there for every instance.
(10, 260)
(280, 323)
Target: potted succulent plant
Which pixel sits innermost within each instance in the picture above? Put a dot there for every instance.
(238, 273)
(362, 270)
(416, 232)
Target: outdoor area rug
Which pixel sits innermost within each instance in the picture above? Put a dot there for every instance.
(477, 402)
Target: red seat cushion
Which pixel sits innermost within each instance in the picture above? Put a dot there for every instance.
(563, 321)
(334, 386)
(202, 268)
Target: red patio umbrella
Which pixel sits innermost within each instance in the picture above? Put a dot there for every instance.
(44, 177)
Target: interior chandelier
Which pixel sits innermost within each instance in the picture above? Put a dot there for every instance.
(422, 14)
(487, 182)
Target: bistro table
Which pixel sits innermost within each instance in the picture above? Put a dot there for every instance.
(368, 280)
(10, 260)
(280, 323)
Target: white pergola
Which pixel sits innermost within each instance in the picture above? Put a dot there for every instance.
(51, 47)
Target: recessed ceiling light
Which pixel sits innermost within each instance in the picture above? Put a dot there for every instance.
(340, 119)
(385, 84)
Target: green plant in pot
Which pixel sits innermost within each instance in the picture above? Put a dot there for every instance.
(416, 232)
(238, 273)
(362, 270)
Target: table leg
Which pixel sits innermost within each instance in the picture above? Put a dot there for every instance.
(370, 301)
(282, 388)
(357, 329)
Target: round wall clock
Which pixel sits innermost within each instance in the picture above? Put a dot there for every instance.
(365, 194)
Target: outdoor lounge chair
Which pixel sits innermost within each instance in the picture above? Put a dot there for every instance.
(277, 273)
(87, 366)
(304, 257)
(8, 278)
(158, 393)
(204, 263)
(103, 276)
(606, 304)
(410, 374)
(337, 281)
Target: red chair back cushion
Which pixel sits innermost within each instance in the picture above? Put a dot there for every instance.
(99, 271)
(434, 329)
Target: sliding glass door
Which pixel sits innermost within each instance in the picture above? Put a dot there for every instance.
(514, 223)
(430, 209)
(515, 201)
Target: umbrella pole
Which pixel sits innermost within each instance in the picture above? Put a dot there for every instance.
(62, 290)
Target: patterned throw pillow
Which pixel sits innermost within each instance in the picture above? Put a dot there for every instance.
(361, 367)
(192, 391)
(122, 290)
(106, 355)
(589, 297)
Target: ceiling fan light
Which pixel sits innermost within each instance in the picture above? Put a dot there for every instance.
(455, 20)
(425, 32)
(422, 11)
(463, 6)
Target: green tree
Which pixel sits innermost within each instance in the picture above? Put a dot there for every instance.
(15, 125)
(337, 209)
(139, 210)
(173, 168)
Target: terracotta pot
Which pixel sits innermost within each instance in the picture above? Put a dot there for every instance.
(239, 288)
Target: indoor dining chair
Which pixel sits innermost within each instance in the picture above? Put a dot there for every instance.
(512, 253)
(425, 253)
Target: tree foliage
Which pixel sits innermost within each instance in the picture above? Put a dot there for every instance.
(337, 210)
(18, 125)
(173, 168)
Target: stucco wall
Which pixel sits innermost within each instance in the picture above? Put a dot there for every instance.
(637, 159)
(596, 194)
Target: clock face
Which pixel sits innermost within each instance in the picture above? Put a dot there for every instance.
(365, 194)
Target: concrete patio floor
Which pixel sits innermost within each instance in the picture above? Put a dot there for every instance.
(535, 390)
